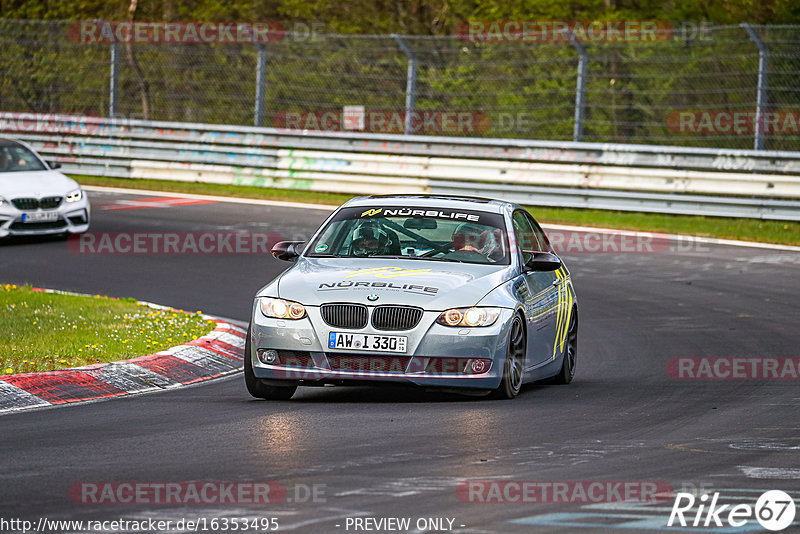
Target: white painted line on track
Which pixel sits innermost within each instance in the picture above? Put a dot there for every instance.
(772, 473)
(214, 198)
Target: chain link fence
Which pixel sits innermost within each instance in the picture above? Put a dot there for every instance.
(698, 88)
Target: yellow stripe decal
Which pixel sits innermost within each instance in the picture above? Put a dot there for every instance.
(558, 313)
(564, 313)
(566, 323)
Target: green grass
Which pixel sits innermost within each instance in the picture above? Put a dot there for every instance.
(46, 331)
(781, 232)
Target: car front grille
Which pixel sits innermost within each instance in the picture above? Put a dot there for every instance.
(49, 203)
(352, 316)
(395, 317)
(368, 364)
(44, 225)
(295, 358)
(25, 203)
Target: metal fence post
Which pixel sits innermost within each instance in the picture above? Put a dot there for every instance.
(580, 90)
(411, 82)
(761, 99)
(261, 81)
(113, 93)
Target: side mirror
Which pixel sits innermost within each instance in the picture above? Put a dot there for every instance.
(287, 250)
(542, 261)
(54, 164)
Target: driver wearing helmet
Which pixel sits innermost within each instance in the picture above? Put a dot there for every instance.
(370, 240)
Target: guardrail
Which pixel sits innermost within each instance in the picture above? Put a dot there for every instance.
(743, 183)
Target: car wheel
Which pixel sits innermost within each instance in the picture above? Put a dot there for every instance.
(514, 364)
(567, 372)
(256, 387)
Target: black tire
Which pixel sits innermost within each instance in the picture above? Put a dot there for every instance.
(257, 388)
(514, 364)
(567, 372)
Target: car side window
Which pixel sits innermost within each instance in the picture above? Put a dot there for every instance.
(540, 280)
(544, 243)
(526, 239)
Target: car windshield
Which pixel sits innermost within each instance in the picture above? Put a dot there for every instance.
(427, 233)
(16, 158)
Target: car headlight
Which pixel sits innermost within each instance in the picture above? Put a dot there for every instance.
(282, 309)
(469, 316)
(75, 196)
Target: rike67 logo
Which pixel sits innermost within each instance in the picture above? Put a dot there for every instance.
(774, 510)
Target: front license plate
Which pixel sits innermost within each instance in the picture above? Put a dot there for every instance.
(39, 216)
(367, 342)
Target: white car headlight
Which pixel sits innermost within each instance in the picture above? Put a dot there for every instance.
(75, 196)
(469, 316)
(282, 309)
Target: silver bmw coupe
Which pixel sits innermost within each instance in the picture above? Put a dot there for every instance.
(458, 293)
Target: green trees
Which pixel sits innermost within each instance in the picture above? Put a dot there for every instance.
(342, 54)
(411, 17)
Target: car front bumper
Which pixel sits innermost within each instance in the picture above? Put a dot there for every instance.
(71, 218)
(436, 355)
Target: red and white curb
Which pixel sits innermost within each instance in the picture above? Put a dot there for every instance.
(216, 354)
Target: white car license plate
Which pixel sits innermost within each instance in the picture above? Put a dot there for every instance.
(39, 216)
(367, 342)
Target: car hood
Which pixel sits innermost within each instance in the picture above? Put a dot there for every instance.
(35, 184)
(432, 285)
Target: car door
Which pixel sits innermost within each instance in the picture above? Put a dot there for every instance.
(557, 280)
(538, 295)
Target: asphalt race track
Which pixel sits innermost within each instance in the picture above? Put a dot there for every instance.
(401, 453)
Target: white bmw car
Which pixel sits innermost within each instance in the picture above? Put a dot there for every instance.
(35, 198)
